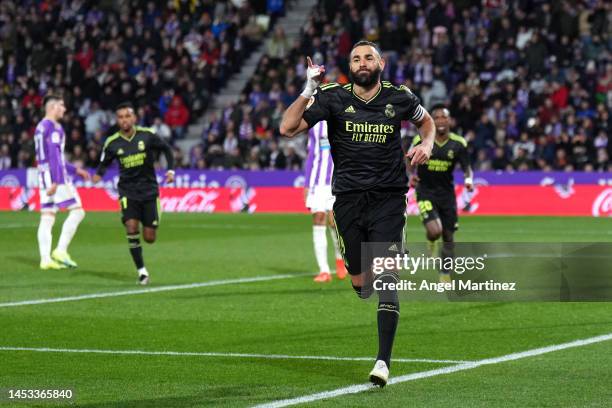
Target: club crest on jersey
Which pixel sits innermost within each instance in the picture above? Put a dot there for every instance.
(389, 111)
(120, 152)
(141, 145)
(451, 154)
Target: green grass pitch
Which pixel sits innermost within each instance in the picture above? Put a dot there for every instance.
(289, 316)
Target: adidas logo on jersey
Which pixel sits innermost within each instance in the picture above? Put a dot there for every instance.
(350, 109)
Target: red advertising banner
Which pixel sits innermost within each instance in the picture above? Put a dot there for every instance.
(585, 200)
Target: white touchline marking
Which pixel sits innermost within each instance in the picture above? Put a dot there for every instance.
(17, 225)
(213, 354)
(353, 389)
(149, 290)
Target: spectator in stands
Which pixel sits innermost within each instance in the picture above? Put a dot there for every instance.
(96, 120)
(108, 53)
(161, 129)
(543, 69)
(277, 46)
(5, 157)
(177, 117)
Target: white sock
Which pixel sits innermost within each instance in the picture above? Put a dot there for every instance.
(69, 228)
(319, 238)
(143, 271)
(45, 237)
(332, 231)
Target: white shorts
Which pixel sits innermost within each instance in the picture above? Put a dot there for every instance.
(66, 196)
(320, 199)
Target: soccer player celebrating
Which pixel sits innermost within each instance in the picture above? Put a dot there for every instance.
(435, 188)
(136, 149)
(370, 180)
(320, 200)
(56, 188)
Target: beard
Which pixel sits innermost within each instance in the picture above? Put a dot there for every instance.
(365, 79)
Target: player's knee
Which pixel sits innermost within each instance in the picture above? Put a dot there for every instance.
(79, 213)
(132, 230)
(448, 236)
(433, 234)
(149, 235)
(318, 218)
(47, 218)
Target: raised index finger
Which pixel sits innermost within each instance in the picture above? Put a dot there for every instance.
(309, 61)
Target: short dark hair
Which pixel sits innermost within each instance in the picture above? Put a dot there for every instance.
(440, 106)
(366, 42)
(124, 105)
(50, 97)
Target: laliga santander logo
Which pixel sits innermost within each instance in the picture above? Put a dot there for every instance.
(191, 201)
(236, 181)
(9, 181)
(602, 206)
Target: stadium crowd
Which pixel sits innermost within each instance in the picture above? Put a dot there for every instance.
(168, 58)
(529, 82)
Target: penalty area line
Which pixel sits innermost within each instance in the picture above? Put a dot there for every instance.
(357, 388)
(166, 288)
(216, 354)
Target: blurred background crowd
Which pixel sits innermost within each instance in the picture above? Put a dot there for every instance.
(528, 82)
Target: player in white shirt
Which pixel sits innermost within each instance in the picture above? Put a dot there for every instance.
(320, 201)
(56, 188)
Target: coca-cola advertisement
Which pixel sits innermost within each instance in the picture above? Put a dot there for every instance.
(567, 200)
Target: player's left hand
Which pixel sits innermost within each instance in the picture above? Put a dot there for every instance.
(170, 176)
(419, 154)
(84, 174)
(52, 189)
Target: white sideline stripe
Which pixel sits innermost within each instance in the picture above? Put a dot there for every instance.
(148, 290)
(212, 354)
(17, 225)
(353, 389)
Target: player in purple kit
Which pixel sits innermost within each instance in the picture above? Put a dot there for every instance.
(56, 188)
(320, 200)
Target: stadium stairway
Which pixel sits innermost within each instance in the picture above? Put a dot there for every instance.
(294, 19)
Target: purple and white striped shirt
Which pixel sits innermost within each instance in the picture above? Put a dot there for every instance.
(50, 139)
(319, 164)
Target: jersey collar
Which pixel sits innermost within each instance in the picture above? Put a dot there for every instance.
(443, 143)
(129, 139)
(380, 87)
